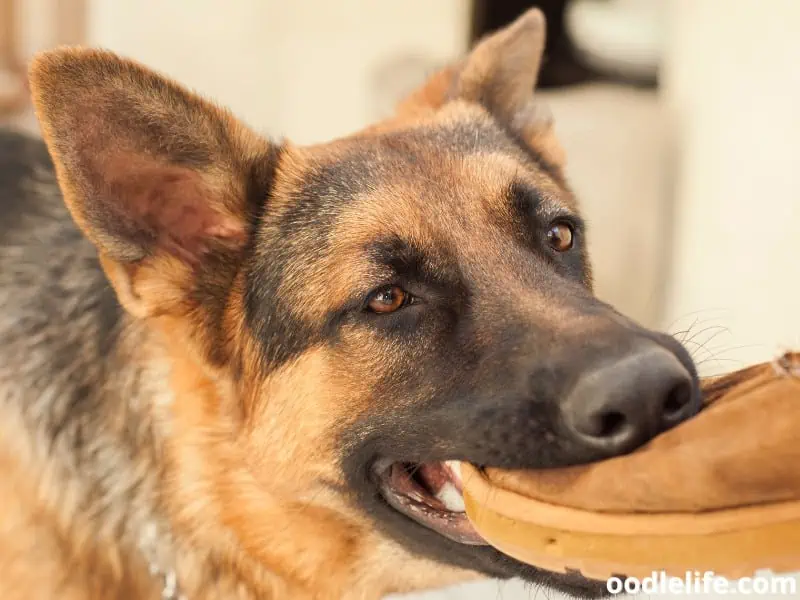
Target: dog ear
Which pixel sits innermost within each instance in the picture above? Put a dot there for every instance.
(500, 74)
(158, 178)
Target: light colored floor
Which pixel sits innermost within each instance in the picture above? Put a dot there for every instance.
(486, 590)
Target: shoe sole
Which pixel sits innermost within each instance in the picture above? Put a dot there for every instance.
(732, 543)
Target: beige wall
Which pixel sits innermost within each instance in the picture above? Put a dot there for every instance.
(732, 82)
(302, 69)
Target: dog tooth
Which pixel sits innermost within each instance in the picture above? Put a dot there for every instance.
(451, 498)
(455, 468)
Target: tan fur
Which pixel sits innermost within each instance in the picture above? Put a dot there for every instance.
(32, 555)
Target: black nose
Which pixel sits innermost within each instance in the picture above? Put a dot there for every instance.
(621, 405)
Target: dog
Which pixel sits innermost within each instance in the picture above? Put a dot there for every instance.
(232, 367)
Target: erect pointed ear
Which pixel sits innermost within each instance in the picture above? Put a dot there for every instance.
(159, 179)
(500, 73)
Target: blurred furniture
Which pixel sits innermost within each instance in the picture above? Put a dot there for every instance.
(618, 36)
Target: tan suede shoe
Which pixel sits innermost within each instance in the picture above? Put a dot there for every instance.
(720, 492)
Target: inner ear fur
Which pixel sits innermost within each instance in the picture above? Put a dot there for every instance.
(151, 172)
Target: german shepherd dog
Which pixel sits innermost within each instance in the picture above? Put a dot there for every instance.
(238, 368)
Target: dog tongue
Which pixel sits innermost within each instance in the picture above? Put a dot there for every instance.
(444, 485)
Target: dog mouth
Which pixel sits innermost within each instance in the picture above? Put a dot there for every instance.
(430, 494)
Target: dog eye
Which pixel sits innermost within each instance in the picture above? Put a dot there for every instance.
(388, 300)
(560, 236)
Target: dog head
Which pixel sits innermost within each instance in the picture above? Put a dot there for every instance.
(342, 320)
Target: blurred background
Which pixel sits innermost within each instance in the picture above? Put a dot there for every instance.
(679, 117)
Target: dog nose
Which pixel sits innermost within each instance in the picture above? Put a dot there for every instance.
(620, 406)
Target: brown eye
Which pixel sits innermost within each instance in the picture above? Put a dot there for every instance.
(560, 237)
(388, 300)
